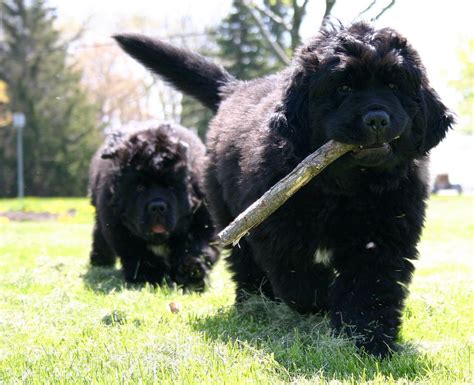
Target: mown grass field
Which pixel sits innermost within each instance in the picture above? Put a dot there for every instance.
(63, 323)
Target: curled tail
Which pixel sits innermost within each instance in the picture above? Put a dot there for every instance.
(187, 71)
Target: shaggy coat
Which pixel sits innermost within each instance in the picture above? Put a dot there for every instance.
(345, 242)
(146, 187)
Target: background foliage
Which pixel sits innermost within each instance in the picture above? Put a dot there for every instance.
(71, 91)
(61, 130)
(465, 86)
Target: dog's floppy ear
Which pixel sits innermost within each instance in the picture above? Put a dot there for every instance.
(115, 144)
(435, 117)
(291, 117)
(197, 195)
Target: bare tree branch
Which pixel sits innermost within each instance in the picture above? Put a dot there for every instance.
(329, 6)
(79, 33)
(279, 52)
(272, 15)
(293, 28)
(368, 8)
(298, 15)
(78, 138)
(390, 5)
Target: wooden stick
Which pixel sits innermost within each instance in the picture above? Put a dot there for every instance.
(262, 208)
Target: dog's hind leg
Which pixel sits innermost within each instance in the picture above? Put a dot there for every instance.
(101, 253)
(303, 289)
(250, 279)
(289, 263)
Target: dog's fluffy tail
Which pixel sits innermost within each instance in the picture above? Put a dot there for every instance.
(187, 71)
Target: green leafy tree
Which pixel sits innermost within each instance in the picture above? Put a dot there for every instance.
(465, 86)
(60, 135)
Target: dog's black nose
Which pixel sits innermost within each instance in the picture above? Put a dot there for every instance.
(376, 120)
(157, 207)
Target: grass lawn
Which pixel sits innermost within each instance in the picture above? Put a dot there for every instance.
(62, 322)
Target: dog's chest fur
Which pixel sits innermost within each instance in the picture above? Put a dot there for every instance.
(162, 251)
(323, 256)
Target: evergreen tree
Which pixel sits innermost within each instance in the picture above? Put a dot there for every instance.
(193, 114)
(60, 135)
(246, 54)
(243, 51)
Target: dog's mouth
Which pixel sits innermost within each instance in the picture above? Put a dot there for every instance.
(372, 155)
(158, 228)
(157, 232)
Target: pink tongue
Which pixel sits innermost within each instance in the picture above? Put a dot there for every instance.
(158, 229)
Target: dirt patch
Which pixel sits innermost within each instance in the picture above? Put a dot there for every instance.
(23, 216)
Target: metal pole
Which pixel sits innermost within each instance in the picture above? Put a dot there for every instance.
(19, 122)
(19, 153)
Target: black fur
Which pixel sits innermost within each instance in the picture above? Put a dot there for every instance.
(146, 187)
(345, 242)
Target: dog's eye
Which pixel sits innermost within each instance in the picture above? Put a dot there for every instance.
(392, 86)
(344, 89)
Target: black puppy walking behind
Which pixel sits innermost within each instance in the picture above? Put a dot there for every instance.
(345, 242)
(146, 187)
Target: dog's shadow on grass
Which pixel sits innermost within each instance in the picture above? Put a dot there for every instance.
(305, 345)
(105, 280)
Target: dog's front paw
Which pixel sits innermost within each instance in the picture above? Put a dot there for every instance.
(192, 272)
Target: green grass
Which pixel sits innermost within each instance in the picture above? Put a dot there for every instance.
(61, 322)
